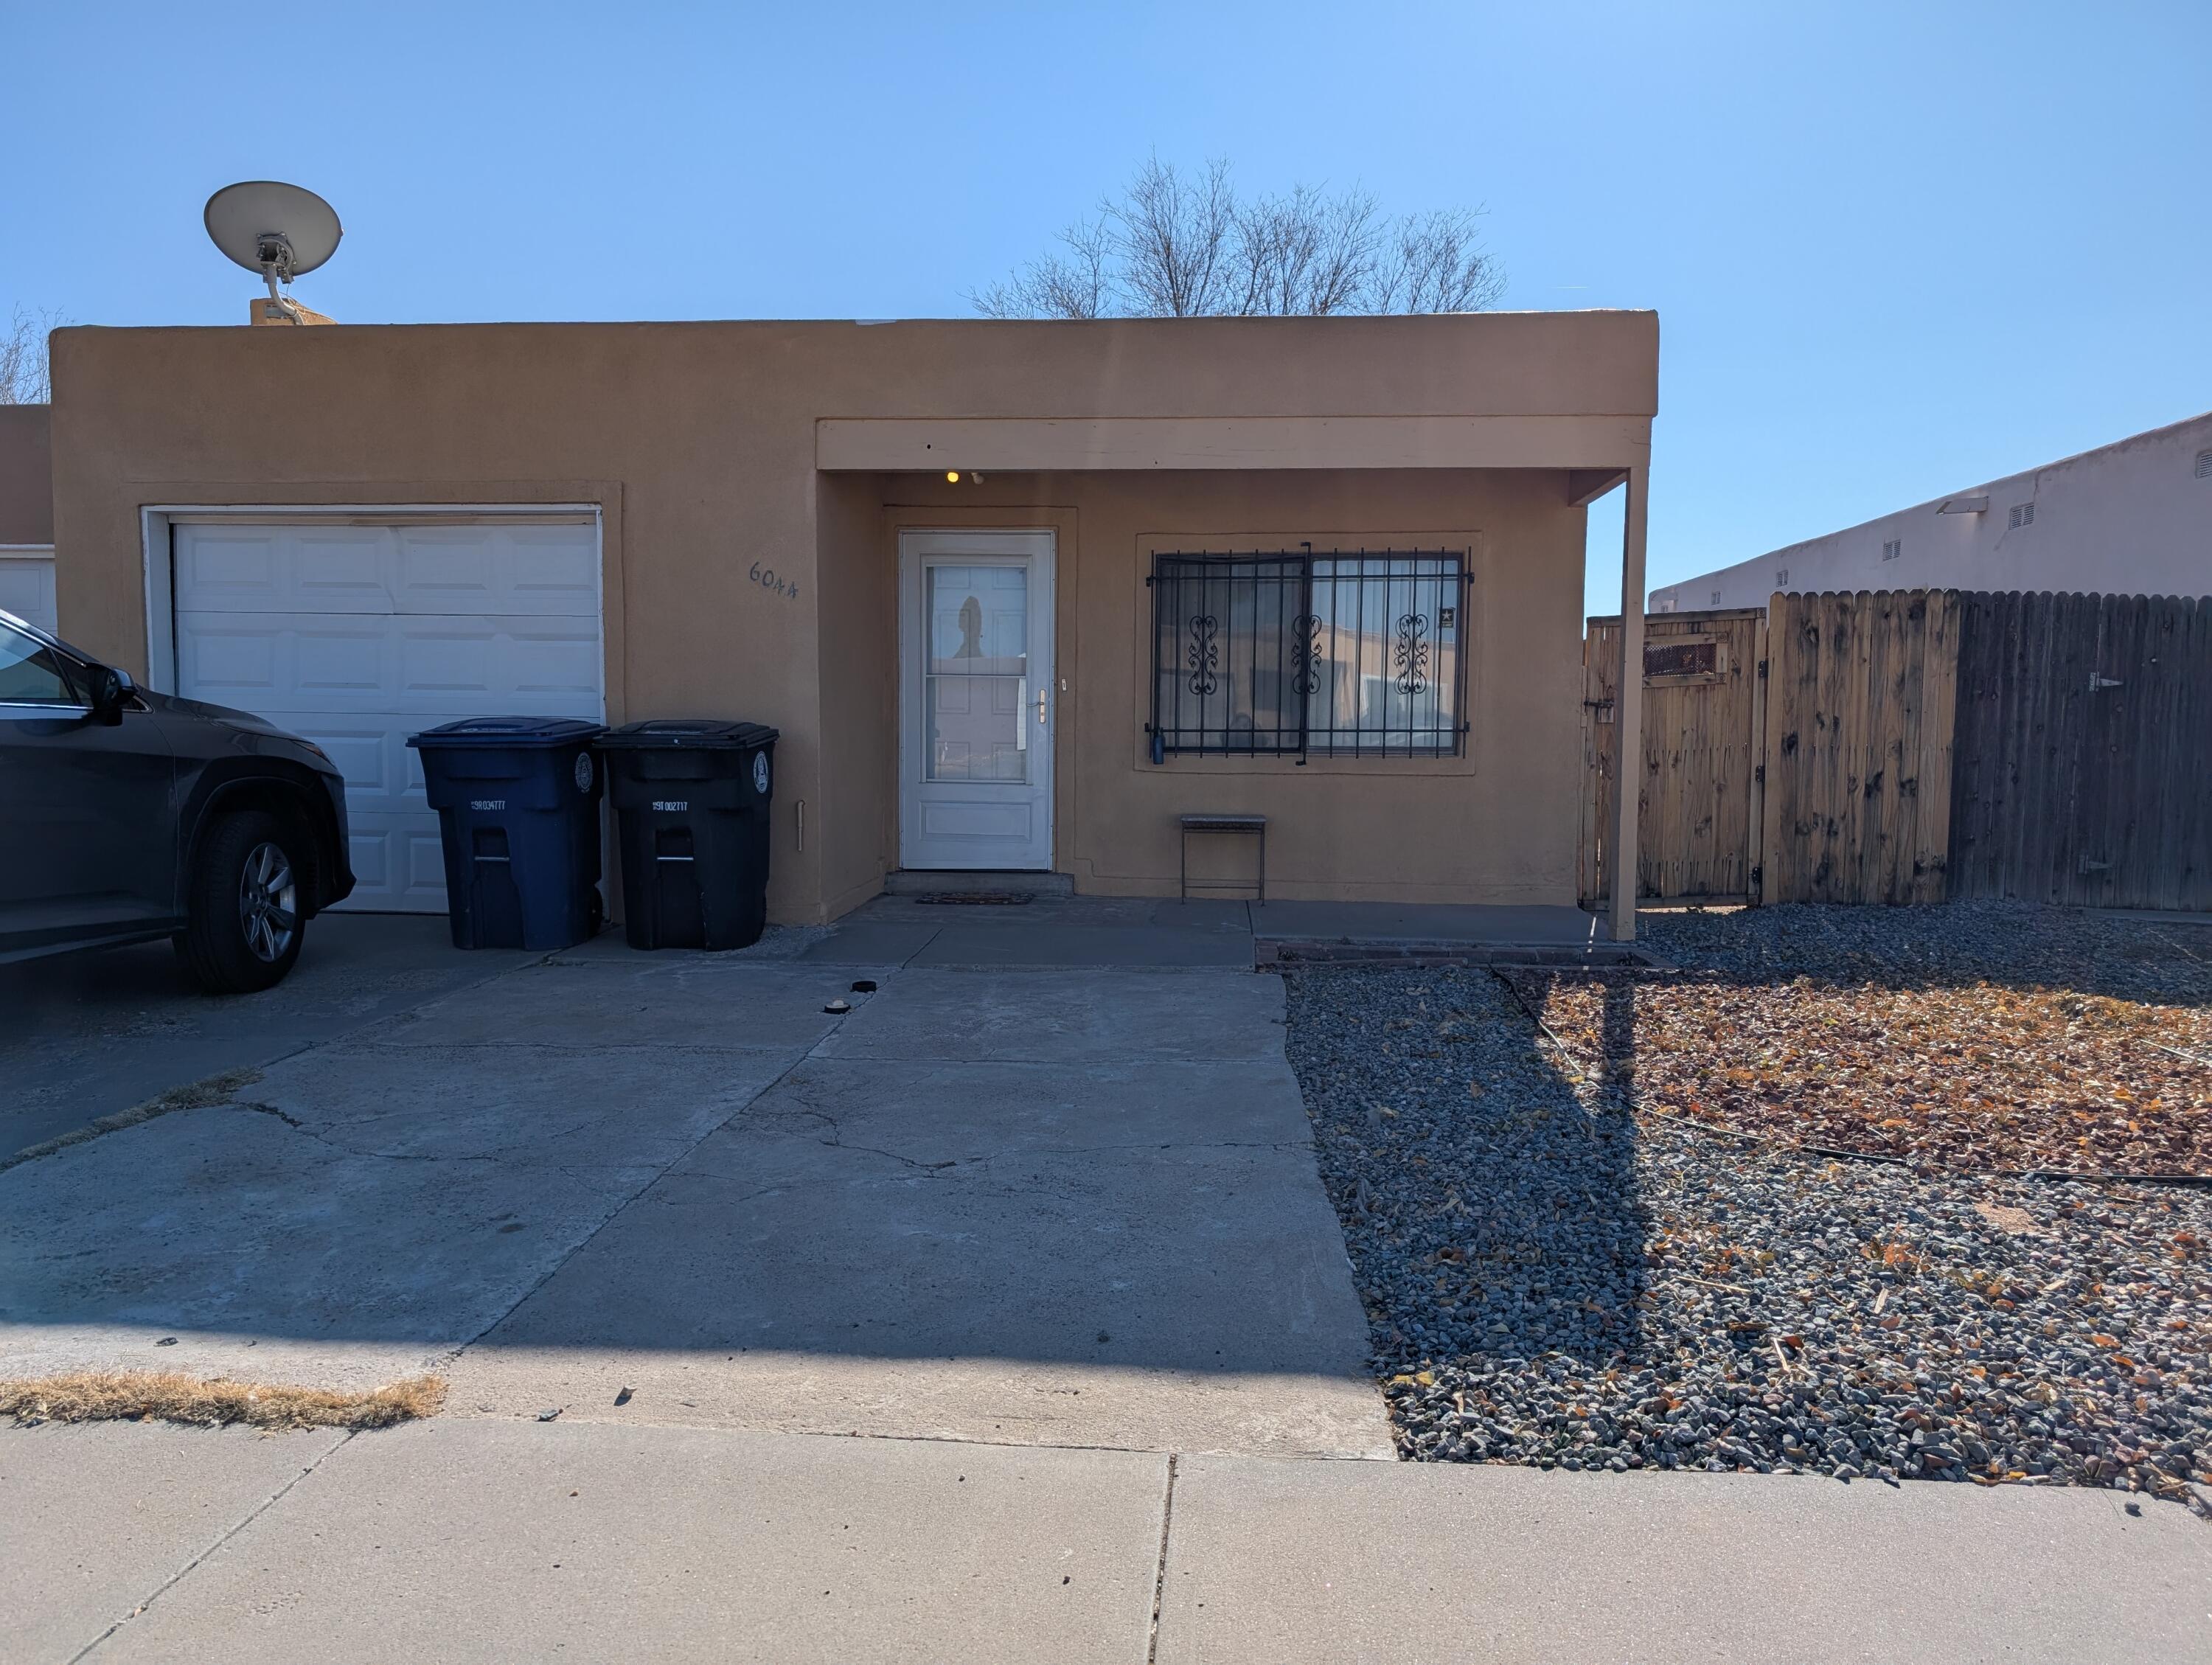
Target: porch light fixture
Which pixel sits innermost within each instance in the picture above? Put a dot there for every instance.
(952, 474)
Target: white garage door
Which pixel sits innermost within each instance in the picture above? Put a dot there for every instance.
(27, 582)
(357, 637)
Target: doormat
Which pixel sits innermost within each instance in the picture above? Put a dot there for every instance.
(976, 899)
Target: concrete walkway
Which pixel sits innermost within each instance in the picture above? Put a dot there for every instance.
(999, 1317)
(1043, 930)
(483, 1540)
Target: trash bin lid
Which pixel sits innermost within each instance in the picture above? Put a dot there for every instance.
(691, 733)
(507, 733)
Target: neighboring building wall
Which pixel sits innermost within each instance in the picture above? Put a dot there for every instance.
(27, 513)
(700, 442)
(2130, 519)
(27, 474)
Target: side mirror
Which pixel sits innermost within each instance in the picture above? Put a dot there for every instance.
(111, 691)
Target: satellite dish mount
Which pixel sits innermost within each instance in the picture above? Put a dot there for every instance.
(281, 231)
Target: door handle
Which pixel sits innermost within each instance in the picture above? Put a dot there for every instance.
(1021, 728)
(1040, 694)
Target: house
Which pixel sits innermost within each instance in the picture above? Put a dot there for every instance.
(1017, 595)
(2130, 519)
(26, 513)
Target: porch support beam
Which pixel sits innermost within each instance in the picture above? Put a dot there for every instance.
(1628, 708)
(1586, 485)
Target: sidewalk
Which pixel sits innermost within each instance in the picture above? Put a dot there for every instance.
(482, 1541)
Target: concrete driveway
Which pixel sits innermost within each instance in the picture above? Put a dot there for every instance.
(1049, 1231)
(1054, 1206)
(85, 1035)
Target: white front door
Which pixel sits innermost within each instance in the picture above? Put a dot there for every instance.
(975, 699)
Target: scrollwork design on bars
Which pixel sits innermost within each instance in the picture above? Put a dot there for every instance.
(1204, 656)
(1411, 656)
(1305, 654)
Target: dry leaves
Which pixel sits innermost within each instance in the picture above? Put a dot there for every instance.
(1979, 1077)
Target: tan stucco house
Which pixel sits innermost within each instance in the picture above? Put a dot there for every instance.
(1017, 595)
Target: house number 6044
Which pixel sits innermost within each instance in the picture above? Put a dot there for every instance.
(766, 578)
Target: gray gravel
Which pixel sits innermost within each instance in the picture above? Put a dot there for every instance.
(1548, 1281)
(2016, 943)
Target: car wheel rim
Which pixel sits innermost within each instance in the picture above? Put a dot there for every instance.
(268, 910)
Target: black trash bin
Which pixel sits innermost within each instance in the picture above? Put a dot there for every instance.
(691, 801)
(518, 803)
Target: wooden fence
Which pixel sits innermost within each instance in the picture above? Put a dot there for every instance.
(1910, 746)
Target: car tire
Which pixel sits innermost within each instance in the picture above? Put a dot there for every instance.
(243, 925)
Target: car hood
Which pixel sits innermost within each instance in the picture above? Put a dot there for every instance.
(178, 709)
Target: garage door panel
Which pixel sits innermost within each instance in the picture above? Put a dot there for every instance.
(399, 866)
(272, 569)
(232, 663)
(449, 570)
(355, 637)
(27, 587)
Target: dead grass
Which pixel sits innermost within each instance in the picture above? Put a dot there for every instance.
(173, 1396)
(202, 1095)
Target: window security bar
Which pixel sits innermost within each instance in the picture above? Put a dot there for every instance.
(1342, 653)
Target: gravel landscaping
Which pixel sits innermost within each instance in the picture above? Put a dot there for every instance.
(1555, 1274)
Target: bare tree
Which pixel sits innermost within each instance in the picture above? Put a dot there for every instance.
(24, 372)
(1184, 245)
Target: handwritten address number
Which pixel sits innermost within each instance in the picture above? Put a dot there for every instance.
(766, 578)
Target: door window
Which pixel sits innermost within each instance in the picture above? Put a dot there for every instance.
(32, 673)
(978, 669)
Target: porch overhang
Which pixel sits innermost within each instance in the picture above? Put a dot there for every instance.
(1020, 444)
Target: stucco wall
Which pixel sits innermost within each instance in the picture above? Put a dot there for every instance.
(1496, 825)
(26, 475)
(700, 442)
(2130, 519)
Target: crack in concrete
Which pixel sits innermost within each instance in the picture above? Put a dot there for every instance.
(186, 1571)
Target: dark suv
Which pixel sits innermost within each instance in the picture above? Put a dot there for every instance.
(126, 816)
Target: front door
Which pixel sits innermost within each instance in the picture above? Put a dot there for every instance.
(975, 699)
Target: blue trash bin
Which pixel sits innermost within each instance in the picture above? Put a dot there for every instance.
(518, 803)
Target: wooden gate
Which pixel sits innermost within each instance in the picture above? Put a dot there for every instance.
(1858, 745)
(1698, 810)
(2084, 750)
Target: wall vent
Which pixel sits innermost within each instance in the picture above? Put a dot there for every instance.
(1892, 549)
(2023, 514)
(2204, 464)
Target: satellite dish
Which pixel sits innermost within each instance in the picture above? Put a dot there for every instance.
(278, 230)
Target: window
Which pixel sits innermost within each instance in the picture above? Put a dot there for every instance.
(1892, 549)
(1782, 577)
(1682, 659)
(2023, 514)
(1717, 598)
(1341, 652)
(32, 673)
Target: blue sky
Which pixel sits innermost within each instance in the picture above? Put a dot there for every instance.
(1895, 248)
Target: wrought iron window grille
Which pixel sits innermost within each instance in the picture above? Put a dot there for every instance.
(1338, 653)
